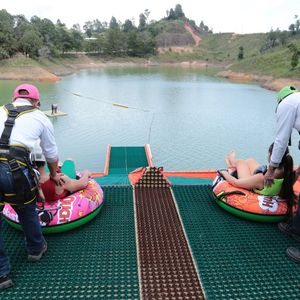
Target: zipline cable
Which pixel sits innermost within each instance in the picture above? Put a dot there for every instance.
(118, 105)
(107, 102)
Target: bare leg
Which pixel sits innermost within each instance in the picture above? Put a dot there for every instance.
(242, 168)
(252, 164)
(77, 184)
(245, 168)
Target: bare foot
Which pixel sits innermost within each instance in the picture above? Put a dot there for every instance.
(230, 160)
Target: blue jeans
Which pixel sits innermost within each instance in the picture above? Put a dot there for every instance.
(28, 219)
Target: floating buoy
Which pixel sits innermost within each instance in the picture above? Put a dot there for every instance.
(120, 105)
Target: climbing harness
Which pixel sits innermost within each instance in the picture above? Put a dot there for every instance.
(18, 158)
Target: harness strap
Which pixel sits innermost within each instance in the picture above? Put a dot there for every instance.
(13, 113)
(15, 155)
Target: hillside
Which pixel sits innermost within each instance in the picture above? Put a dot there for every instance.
(259, 62)
(179, 42)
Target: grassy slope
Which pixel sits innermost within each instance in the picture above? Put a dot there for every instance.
(277, 64)
(225, 47)
(16, 62)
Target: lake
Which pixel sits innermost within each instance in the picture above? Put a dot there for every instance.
(190, 120)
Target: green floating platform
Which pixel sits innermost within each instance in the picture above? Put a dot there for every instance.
(236, 259)
(123, 160)
(175, 180)
(95, 261)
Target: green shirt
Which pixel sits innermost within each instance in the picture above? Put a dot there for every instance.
(272, 190)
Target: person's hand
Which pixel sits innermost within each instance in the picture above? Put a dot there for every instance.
(223, 173)
(58, 178)
(269, 176)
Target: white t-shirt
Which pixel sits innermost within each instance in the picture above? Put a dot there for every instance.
(29, 128)
(288, 117)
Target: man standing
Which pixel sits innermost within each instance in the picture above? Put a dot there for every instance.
(54, 108)
(288, 117)
(22, 125)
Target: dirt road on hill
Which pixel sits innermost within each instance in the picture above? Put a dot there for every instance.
(195, 36)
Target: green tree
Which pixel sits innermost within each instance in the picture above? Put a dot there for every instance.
(8, 42)
(178, 12)
(203, 27)
(64, 39)
(21, 25)
(128, 26)
(88, 28)
(171, 14)
(113, 24)
(142, 22)
(132, 43)
(93, 45)
(47, 30)
(77, 39)
(292, 28)
(30, 43)
(295, 55)
(140, 44)
(115, 42)
(99, 27)
(241, 53)
(3, 53)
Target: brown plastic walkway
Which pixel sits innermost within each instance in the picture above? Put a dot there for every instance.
(167, 269)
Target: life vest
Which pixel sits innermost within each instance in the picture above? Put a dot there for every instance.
(17, 157)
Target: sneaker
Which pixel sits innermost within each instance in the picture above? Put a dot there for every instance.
(5, 282)
(288, 229)
(293, 253)
(37, 256)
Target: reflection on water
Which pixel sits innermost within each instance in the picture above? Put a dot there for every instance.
(190, 120)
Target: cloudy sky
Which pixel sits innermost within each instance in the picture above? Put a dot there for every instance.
(240, 16)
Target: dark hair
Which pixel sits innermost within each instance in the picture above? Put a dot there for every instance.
(289, 177)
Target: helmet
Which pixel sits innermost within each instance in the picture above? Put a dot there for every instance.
(284, 92)
(30, 92)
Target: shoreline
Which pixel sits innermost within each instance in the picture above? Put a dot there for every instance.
(266, 82)
(52, 72)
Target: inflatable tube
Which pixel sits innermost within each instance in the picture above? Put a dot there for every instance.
(248, 205)
(67, 213)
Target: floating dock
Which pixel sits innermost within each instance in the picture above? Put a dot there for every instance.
(160, 235)
(48, 113)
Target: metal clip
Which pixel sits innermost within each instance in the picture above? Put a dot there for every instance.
(14, 166)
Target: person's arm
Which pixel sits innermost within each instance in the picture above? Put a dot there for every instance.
(270, 176)
(253, 182)
(48, 142)
(56, 177)
(74, 185)
(286, 115)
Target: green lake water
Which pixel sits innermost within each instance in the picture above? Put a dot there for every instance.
(189, 119)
